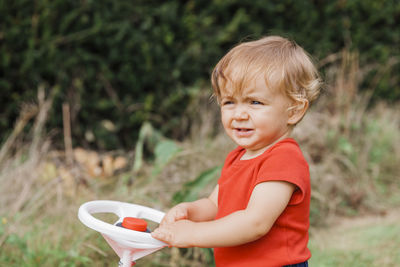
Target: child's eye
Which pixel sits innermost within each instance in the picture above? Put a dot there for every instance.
(227, 102)
(255, 102)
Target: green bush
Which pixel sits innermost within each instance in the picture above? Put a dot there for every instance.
(120, 63)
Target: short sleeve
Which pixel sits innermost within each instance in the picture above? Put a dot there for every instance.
(285, 162)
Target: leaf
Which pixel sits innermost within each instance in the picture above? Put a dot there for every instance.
(165, 151)
(191, 190)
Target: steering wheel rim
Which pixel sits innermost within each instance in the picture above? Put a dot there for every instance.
(121, 209)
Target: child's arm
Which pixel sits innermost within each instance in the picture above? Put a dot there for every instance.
(266, 203)
(200, 210)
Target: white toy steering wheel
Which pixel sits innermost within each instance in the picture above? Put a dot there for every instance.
(130, 245)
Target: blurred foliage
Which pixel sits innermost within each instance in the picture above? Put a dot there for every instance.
(150, 140)
(190, 190)
(121, 63)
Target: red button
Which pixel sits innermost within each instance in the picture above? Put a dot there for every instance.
(134, 224)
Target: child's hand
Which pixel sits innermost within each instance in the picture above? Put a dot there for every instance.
(179, 212)
(177, 234)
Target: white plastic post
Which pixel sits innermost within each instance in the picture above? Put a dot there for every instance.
(126, 259)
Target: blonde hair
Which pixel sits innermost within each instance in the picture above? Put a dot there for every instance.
(283, 64)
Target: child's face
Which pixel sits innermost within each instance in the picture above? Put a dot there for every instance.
(256, 117)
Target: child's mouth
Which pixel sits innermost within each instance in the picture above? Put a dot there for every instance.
(243, 132)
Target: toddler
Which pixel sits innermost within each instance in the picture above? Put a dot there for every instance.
(258, 214)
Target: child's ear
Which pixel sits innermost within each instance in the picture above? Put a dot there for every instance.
(297, 111)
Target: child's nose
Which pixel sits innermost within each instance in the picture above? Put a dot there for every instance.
(240, 113)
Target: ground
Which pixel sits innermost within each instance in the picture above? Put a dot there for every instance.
(371, 240)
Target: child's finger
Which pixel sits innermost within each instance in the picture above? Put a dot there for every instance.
(157, 234)
(161, 235)
(180, 215)
(173, 216)
(167, 219)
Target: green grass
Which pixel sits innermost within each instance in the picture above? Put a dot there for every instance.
(372, 244)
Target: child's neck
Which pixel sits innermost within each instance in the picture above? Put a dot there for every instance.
(249, 154)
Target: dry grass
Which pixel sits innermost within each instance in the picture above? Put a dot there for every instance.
(353, 149)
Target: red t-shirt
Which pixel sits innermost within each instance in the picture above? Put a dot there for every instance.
(286, 242)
